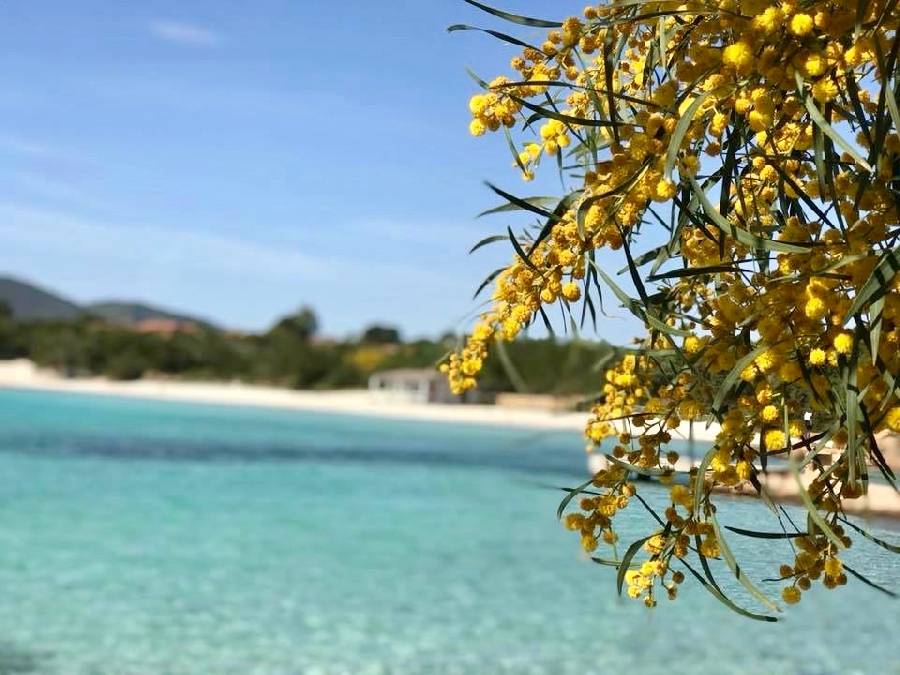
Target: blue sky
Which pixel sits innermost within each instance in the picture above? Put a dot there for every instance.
(239, 159)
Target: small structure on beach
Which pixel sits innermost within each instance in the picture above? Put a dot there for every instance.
(411, 385)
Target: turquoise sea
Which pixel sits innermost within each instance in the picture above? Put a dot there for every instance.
(150, 537)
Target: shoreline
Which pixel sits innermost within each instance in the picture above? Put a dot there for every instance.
(23, 375)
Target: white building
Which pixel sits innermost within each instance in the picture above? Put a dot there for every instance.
(411, 385)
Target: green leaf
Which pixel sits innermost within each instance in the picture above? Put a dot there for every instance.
(693, 272)
(610, 563)
(892, 104)
(512, 149)
(540, 202)
(716, 592)
(486, 241)
(877, 284)
(869, 582)
(764, 535)
(700, 478)
(811, 509)
(487, 280)
(570, 85)
(680, 130)
(876, 313)
(734, 375)
(494, 33)
(515, 377)
(739, 234)
(732, 564)
(816, 116)
(640, 470)
(515, 18)
(893, 548)
(519, 250)
(568, 119)
(523, 203)
(626, 562)
(644, 258)
(573, 492)
(635, 307)
(855, 458)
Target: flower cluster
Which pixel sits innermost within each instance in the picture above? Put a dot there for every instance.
(760, 137)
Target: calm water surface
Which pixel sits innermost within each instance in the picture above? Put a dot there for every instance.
(147, 537)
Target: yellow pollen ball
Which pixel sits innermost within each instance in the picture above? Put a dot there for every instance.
(892, 419)
(843, 343)
(790, 595)
(802, 24)
(817, 356)
(774, 439)
(738, 55)
(770, 413)
(665, 190)
(815, 308)
(833, 567)
(571, 291)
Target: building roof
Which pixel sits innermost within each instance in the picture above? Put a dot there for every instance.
(408, 374)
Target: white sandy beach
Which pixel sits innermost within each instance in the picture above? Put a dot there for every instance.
(22, 374)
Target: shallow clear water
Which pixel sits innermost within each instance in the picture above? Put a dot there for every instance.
(147, 537)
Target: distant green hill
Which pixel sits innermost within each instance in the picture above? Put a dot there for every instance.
(32, 303)
(131, 312)
(29, 302)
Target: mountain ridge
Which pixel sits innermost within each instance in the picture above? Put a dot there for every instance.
(28, 301)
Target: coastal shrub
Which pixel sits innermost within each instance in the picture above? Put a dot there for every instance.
(741, 156)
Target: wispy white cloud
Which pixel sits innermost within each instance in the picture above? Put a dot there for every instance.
(153, 246)
(233, 280)
(187, 34)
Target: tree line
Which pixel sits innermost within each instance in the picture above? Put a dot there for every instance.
(291, 353)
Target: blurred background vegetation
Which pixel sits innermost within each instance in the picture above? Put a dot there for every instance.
(126, 341)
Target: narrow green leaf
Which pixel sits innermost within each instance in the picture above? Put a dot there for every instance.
(869, 582)
(739, 234)
(640, 470)
(716, 592)
(764, 535)
(635, 307)
(515, 18)
(626, 561)
(816, 116)
(876, 313)
(811, 509)
(487, 280)
(734, 375)
(519, 250)
(540, 202)
(878, 282)
(893, 548)
(523, 203)
(494, 33)
(700, 478)
(568, 119)
(892, 104)
(573, 492)
(611, 563)
(693, 272)
(486, 241)
(515, 377)
(680, 130)
(732, 564)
